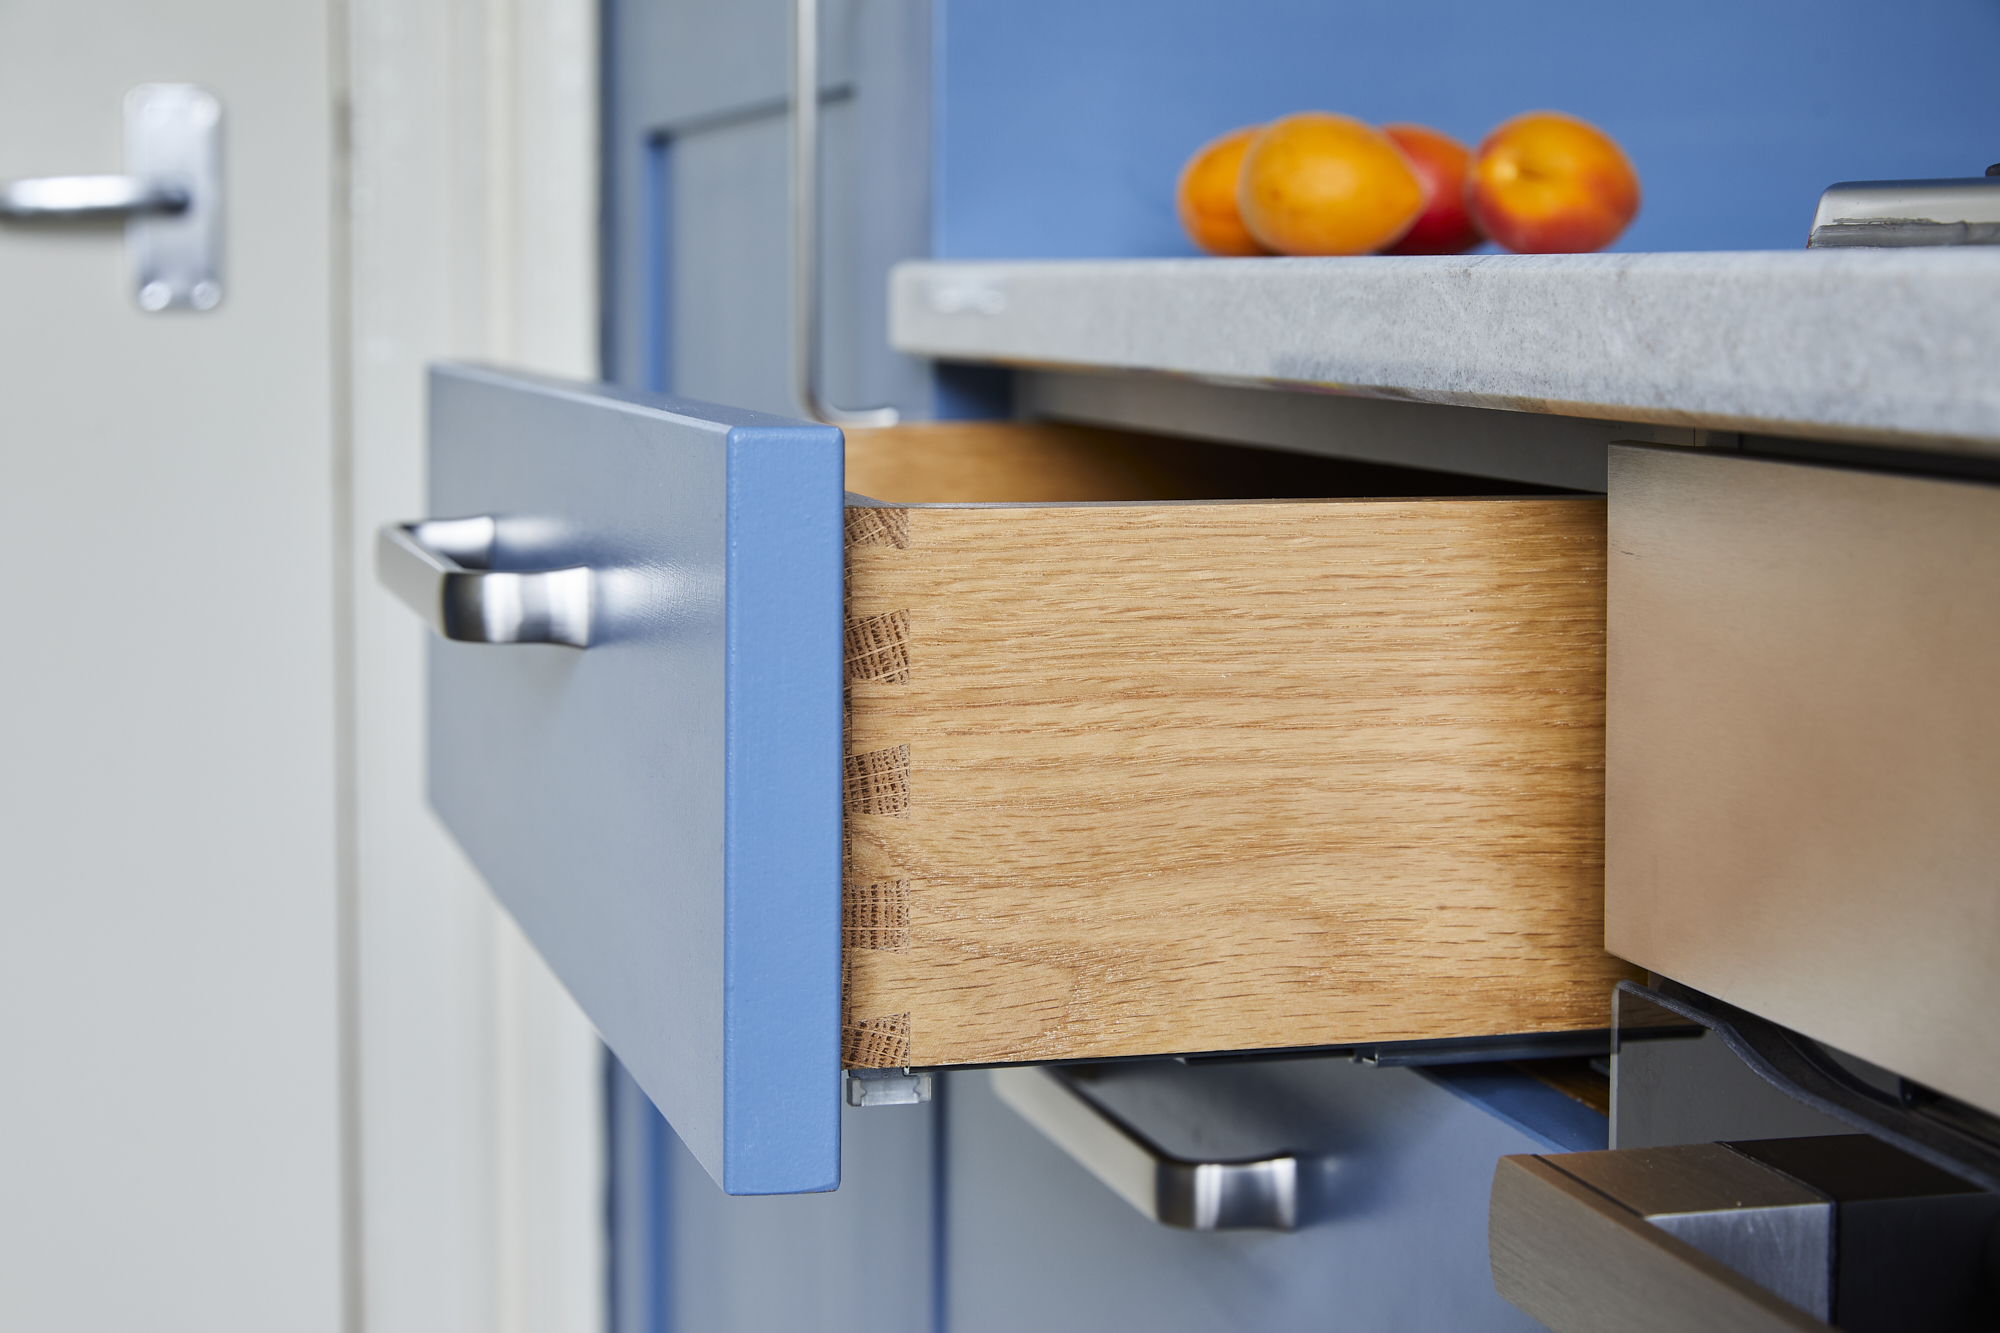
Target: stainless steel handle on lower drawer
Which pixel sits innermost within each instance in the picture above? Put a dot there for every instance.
(1175, 1192)
(440, 570)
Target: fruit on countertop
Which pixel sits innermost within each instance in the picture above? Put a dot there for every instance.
(1315, 183)
(1547, 183)
(1205, 196)
(1445, 227)
(1320, 184)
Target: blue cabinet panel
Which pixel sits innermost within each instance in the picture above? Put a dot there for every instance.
(661, 811)
(1392, 1231)
(697, 196)
(1060, 126)
(687, 1257)
(784, 598)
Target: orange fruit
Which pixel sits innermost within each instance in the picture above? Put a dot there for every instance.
(1440, 161)
(1321, 184)
(1205, 196)
(1545, 183)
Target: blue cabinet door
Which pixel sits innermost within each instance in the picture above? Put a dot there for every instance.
(689, 1259)
(1392, 1227)
(697, 197)
(661, 810)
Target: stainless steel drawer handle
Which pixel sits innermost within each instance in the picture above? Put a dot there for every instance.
(440, 568)
(91, 197)
(1175, 1192)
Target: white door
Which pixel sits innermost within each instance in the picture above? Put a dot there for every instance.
(269, 1057)
(170, 1115)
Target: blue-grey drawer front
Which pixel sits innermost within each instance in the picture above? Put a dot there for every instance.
(661, 811)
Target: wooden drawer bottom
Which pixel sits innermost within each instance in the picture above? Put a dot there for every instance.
(1159, 777)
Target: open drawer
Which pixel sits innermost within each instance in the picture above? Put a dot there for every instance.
(1083, 764)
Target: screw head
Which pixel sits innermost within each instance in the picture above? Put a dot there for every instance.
(204, 295)
(155, 295)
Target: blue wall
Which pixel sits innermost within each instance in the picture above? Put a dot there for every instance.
(1061, 123)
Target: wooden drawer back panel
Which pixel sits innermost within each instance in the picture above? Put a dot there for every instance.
(1151, 778)
(959, 462)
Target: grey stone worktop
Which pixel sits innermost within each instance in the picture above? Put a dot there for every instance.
(1896, 347)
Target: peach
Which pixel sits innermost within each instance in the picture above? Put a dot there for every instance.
(1545, 183)
(1445, 227)
(1205, 196)
(1321, 184)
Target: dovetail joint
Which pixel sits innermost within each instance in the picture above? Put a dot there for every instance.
(876, 1043)
(868, 526)
(878, 647)
(876, 916)
(877, 782)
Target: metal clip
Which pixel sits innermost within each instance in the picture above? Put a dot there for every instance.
(887, 1087)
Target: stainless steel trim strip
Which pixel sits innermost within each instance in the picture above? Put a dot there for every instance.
(1903, 213)
(805, 230)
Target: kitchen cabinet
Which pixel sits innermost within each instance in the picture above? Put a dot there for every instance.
(958, 1213)
(992, 783)
(1353, 732)
(1797, 608)
(1797, 541)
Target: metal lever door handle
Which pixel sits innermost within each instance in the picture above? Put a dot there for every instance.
(441, 569)
(91, 197)
(170, 196)
(1173, 1191)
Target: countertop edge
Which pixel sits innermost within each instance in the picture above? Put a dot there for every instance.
(1891, 347)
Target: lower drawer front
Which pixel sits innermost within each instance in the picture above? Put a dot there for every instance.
(1151, 778)
(1805, 751)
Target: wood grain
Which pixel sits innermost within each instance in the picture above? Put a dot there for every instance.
(1183, 777)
